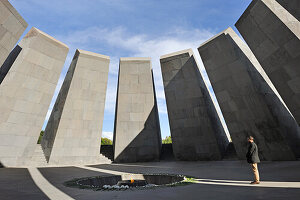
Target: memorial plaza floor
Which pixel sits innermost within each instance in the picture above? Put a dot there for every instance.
(215, 180)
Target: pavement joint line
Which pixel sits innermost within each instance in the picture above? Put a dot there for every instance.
(273, 184)
(101, 170)
(46, 187)
(145, 166)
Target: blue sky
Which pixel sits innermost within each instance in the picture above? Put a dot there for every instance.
(131, 28)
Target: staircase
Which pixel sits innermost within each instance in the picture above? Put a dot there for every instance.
(107, 151)
(38, 159)
(103, 160)
(167, 152)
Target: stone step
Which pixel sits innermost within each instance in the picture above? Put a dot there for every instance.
(104, 160)
(107, 151)
(38, 158)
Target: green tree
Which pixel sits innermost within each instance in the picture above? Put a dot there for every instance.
(167, 140)
(106, 141)
(40, 138)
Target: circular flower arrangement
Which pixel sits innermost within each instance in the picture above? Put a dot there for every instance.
(112, 183)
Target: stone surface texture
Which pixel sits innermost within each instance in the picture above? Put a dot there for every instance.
(12, 26)
(137, 131)
(25, 95)
(9, 62)
(273, 35)
(73, 133)
(292, 6)
(248, 100)
(196, 130)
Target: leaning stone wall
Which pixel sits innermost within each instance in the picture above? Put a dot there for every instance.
(137, 131)
(196, 130)
(26, 93)
(73, 133)
(12, 26)
(273, 35)
(242, 93)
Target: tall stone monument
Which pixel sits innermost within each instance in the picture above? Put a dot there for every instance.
(137, 131)
(249, 102)
(273, 35)
(25, 95)
(73, 133)
(196, 130)
(12, 26)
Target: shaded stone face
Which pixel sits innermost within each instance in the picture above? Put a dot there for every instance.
(9, 62)
(137, 132)
(25, 95)
(197, 133)
(273, 35)
(292, 6)
(12, 26)
(249, 102)
(73, 132)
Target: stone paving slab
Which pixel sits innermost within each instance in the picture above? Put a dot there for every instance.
(58, 175)
(216, 180)
(17, 184)
(220, 170)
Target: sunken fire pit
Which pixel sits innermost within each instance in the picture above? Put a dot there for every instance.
(132, 183)
(129, 181)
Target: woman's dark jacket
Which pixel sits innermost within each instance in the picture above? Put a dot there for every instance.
(252, 154)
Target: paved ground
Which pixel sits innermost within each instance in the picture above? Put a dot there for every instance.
(217, 180)
(17, 184)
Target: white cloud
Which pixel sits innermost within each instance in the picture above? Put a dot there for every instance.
(107, 134)
(137, 45)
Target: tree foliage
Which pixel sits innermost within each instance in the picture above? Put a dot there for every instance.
(106, 141)
(40, 137)
(167, 140)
